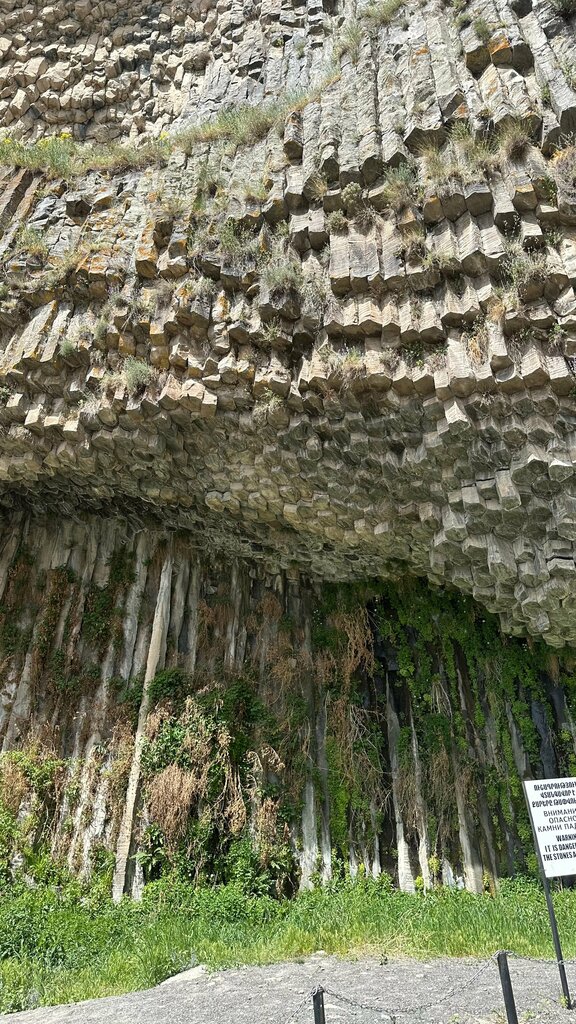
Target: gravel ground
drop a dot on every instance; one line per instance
(277, 995)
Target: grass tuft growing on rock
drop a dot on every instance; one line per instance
(59, 156)
(137, 374)
(30, 242)
(242, 125)
(523, 268)
(133, 374)
(282, 275)
(400, 186)
(337, 223)
(67, 347)
(382, 12)
(465, 157)
(349, 41)
(514, 139)
(482, 30)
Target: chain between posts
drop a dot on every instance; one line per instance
(360, 1006)
(392, 1012)
(539, 959)
(298, 1009)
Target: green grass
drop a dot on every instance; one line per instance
(349, 41)
(282, 274)
(337, 222)
(135, 374)
(67, 347)
(31, 242)
(77, 945)
(382, 12)
(482, 30)
(59, 156)
(514, 139)
(400, 186)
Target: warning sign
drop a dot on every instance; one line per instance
(552, 805)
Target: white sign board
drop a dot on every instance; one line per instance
(552, 805)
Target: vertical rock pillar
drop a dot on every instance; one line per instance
(155, 660)
(405, 875)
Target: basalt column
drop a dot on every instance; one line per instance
(287, 435)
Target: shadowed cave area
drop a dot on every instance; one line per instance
(165, 709)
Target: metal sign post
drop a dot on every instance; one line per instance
(552, 809)
(556, 940)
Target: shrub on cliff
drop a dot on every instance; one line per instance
(382, 12)
(134, 374)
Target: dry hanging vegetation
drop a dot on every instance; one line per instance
(354, 729)
(121, 754)
(33, 774)
(428, 773)
(215, 743)
(282, 661)
(345, 653)
(359, 653)
(189, 766)
(32, 787)
(273, 649)
(14, 785)
(264, 810)
(213, 622)
(354, 651)
(170, 797)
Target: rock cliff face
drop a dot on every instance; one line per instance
(287, 303)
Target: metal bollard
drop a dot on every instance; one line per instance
(509, 1004)
(318, 1004)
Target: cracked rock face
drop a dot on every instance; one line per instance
(338, 341)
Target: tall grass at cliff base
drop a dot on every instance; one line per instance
(71, 944)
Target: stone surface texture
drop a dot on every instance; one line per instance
(256, 995)
(334, 344)
(344, 397)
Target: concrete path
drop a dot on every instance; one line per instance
(277, 995)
